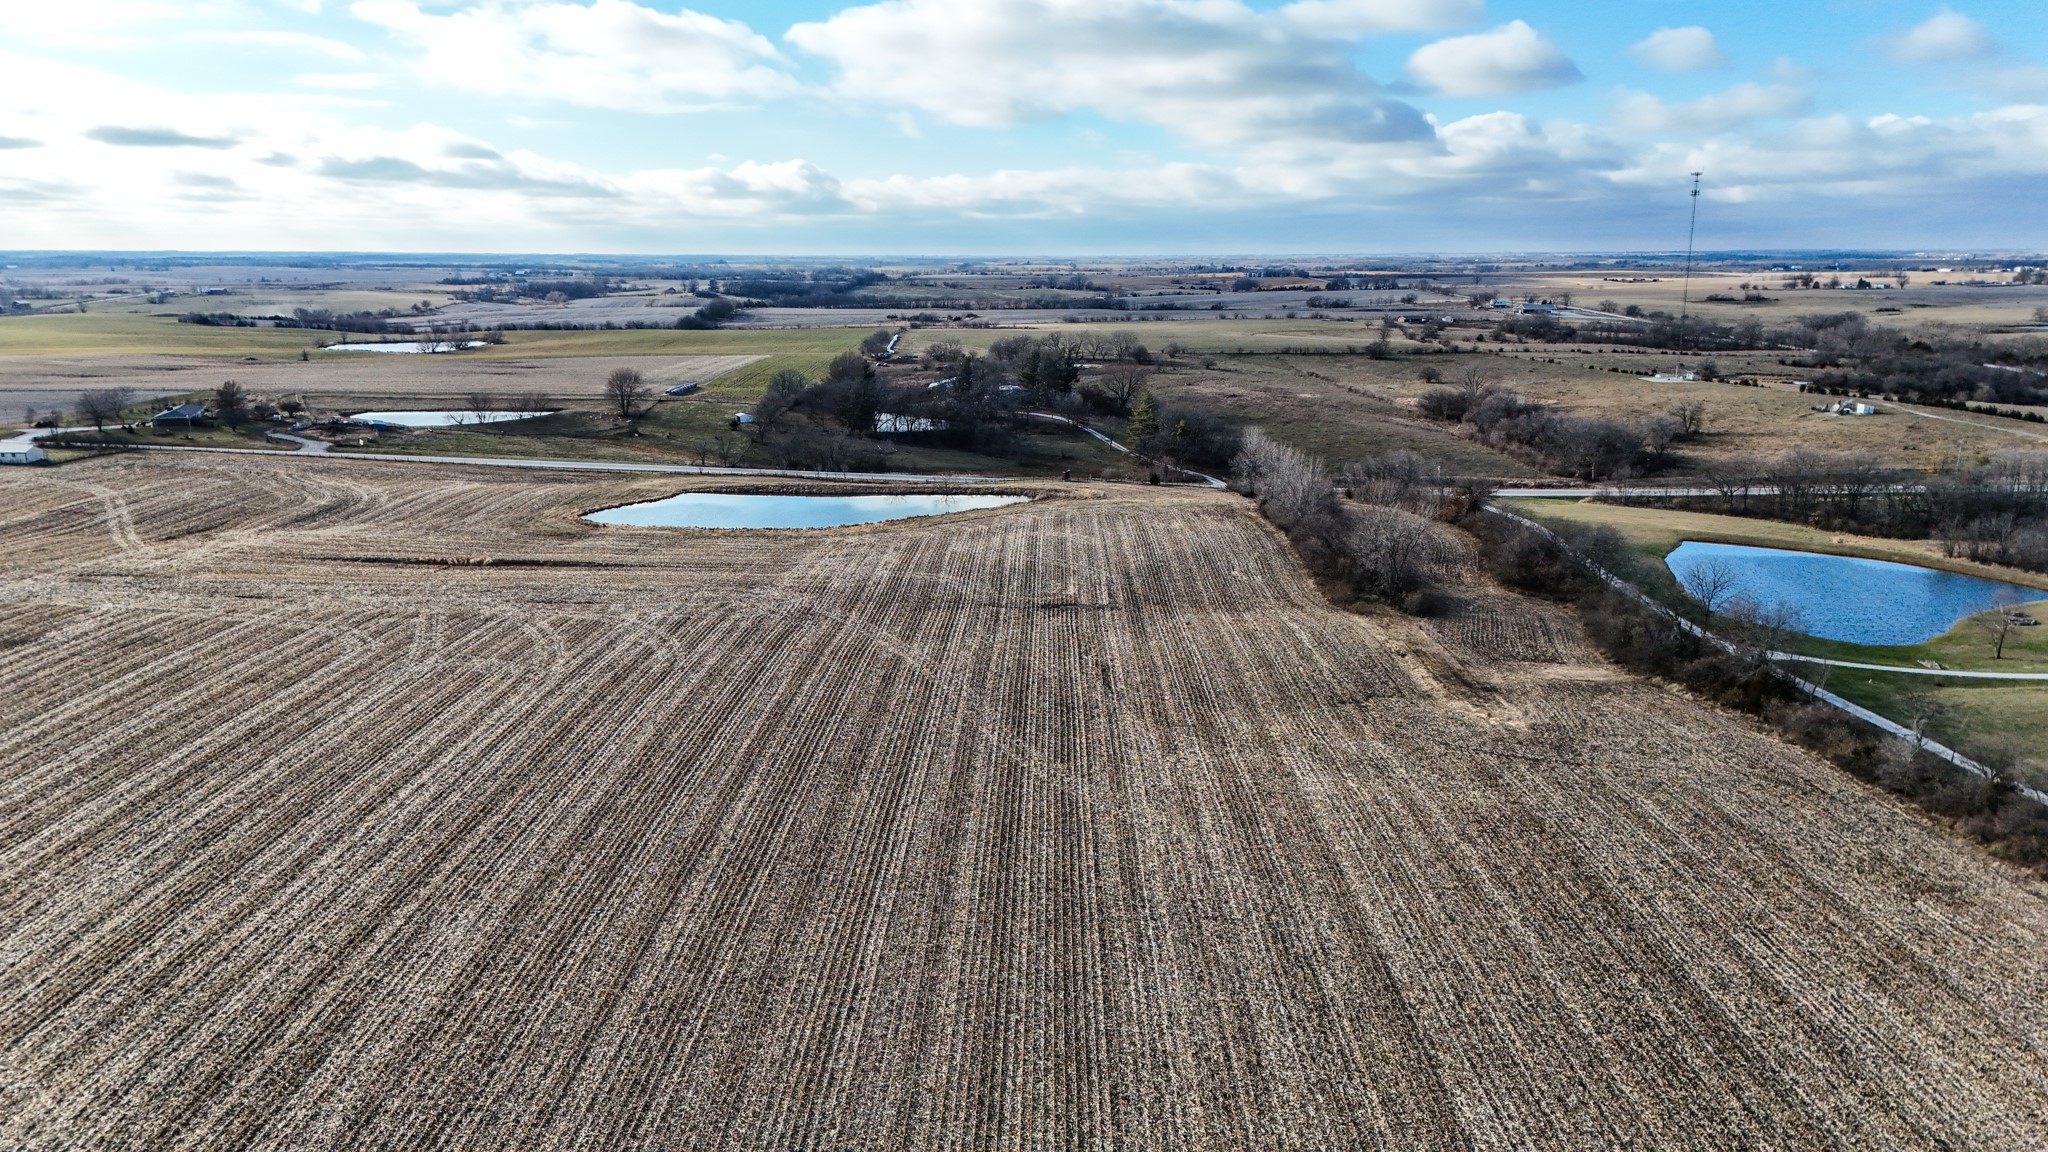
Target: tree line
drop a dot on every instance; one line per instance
(1588, 447)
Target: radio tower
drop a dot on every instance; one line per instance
(1685, 296)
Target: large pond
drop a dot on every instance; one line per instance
(1850, 599)
(729, 510)
(404, 347)
(440, 419)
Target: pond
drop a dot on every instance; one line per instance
(732, 510)
(440, 419)
(403, 347)
(1850, 599)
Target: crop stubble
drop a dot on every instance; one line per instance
(1085, 823)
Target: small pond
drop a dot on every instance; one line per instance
(402, 347)
(1850, 599)
(731, 510)
(440, 419)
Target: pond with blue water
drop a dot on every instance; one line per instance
(1850, 599)
(734, 510)
(440, 418)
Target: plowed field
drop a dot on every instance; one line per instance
(1085, 823)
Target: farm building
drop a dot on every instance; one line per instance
(182, 416)
(20, 451)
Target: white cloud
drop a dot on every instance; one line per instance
(1688, 49)
(1716, 112)
(341, 80)
(1841, 158)
(287, 41)
(1351, 18)
(1500, 62)
(596, 54)
(1214, 72)
(2022, 82)
(1295, 131)
(104, 25)
(1946, 35)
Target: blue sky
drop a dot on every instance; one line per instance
(1068, 127)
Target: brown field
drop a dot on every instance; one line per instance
(2000, 304)
(1345, 407)
(347, 380)
(1082, 824)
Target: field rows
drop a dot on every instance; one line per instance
(1085, 823)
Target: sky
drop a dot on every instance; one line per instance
(1022, 127)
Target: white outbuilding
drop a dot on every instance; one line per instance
(21, 451)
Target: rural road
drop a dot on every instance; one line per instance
(1997, 424)
(307, 447)
(1913, 671)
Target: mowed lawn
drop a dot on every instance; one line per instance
(1998, 723)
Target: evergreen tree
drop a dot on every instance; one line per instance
(1144, 419)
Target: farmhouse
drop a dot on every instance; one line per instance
(182, 416)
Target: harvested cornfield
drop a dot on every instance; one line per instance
(346, 805)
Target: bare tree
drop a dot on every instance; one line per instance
(1404, 480)
(532, 402)
(1758, 630)
(480, 404)
(1659, 433)
(103, 406)
(625, 390)
(1389, 549)
(1691, 416)
(1475, 381)
(1997, 624)
(1921, 707)
(1123, 381)
(1711, 582)
(1290, 484)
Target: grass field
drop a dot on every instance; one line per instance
(349, 805)
(1995, 724)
